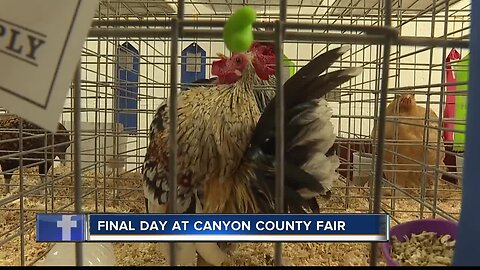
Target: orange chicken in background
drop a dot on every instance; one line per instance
(407, 156)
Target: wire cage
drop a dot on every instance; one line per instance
(131, 63)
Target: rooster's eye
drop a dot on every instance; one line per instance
(238, 60)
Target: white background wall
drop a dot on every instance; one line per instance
(358, 95)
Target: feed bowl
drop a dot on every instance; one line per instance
(439, 226)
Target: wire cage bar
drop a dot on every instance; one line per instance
(280, 123)
(381, 125)
(77, 159)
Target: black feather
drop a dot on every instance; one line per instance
(269, 145)
(293, 112)
(308, 81)
(301, 92)
(299, 154)
(294, 202)
(320, 86)
(311, 70)
(200, 82)
(295, 180)
(331, 151)
(263, 194)
(314, 206)
(263, 98)
(299, 179)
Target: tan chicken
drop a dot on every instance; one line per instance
(406, 151)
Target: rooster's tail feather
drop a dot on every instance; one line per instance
(310, 163)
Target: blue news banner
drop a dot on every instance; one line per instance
(210, 227)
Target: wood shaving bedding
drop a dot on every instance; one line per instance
(423, 249)
(247, 254)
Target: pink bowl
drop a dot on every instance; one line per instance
(440, 226)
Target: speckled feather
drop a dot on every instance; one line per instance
(215, 119)
(9, 126)
(226, 149)
(9, 144)
(157, 123)
(216, 126)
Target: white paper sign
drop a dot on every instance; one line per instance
(40, 47)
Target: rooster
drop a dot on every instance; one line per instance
(9, 143)
(157, 122)
(227, 70)
(407, 148)
(226, 144)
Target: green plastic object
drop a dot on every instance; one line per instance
(289, 65)
(238, 30)
(461, 76)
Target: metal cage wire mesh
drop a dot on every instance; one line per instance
(401, 45)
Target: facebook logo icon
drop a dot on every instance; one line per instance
(60, 228)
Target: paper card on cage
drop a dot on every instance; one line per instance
(40, 47)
